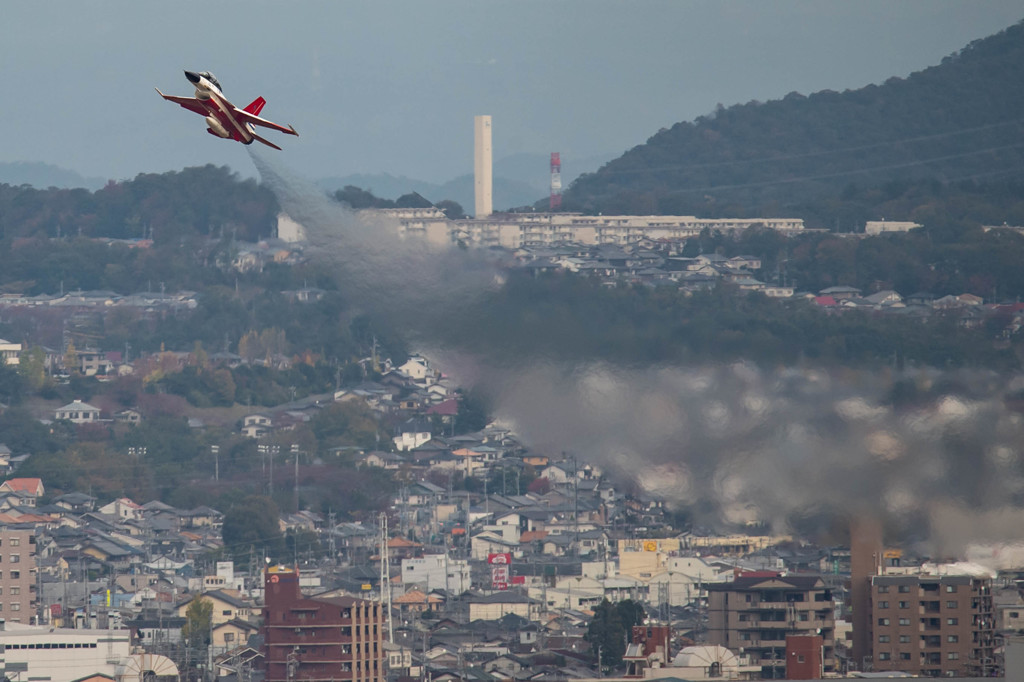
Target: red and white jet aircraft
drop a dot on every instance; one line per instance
(223, 118)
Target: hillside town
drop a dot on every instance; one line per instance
(467, 583)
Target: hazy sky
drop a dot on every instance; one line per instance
(392, 86)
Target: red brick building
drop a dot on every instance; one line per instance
(319, 640)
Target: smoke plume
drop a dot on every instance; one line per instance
(733, 443)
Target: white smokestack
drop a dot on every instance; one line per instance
(482, 160)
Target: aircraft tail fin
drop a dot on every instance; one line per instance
(256, 106)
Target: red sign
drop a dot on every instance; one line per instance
(503, 558)
(499, 577)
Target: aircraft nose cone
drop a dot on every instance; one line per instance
(192, 76)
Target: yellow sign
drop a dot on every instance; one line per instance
(650, 546)
(367, 586)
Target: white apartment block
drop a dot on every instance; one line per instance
(10, 353)
(873, 227)
(515, 230)
(437, 572)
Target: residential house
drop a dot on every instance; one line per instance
(78, 412)
(256, 425)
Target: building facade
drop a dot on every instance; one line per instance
(933, 625)
(17, 575)
(319, 640)
(757, 612)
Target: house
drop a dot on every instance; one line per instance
(226, 606)
(32, 486)
(231, 634)
(494, 606)
(128, 416)
(78, 412)
(412, 434)
(10, 353)
(256, 425)
(123, 509)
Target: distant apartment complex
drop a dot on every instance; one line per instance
(933, 625)
(757, 612)
(515, 230)
(17, 575)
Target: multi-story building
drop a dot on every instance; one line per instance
(17, 575)
(933, 625)
(319, 640)
(757, 611)
(36, 652)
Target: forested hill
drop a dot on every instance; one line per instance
(962, 120)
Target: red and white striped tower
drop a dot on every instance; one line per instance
(556, 181)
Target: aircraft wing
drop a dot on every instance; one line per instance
(244, 115)
(190, 103)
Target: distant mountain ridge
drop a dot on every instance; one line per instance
(956, 121)
(44, 175)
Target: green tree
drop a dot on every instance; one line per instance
(253, 522)
(32, 367)
(611, 627)
(198, 620)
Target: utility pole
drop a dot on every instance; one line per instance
(295, 454)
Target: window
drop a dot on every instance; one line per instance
(883, 604)
(16, 606)
(952, 638)
(904, 621)
(804, 616)
(952, 621)
(883, 621)
(15, 590)
(226, 612)
(904, 639)
(882, 589)
(953, 655)
(883, 639)
(950, 588)
(15, 575)
(903, 605)
(15, 542)
(15, 558)
(883, 656)
(951, 605)
(229, 637)
(904, 589)
(904, 656)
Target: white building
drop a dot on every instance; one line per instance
(78, 412)
(873, 227)
(62, 654)
(436, 572)
(10, 353)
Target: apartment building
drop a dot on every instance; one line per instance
(933, 625)
(756, 612)
(335, 639)
(17, 575)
